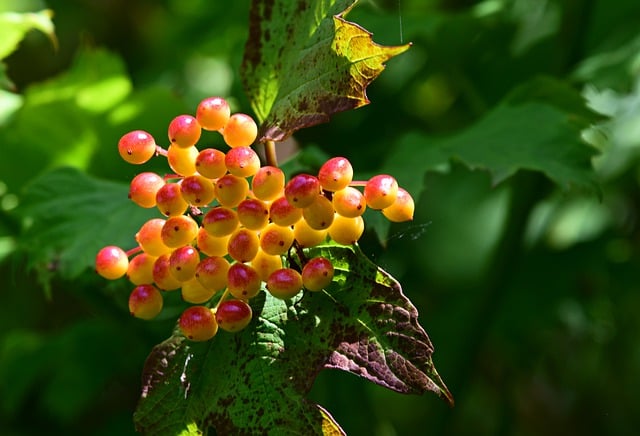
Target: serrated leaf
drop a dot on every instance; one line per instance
(256, 381)
(304, 62)
(73, 215)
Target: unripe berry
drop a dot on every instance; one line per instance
(211, 245)
(243, 281)
(140, 269)
(179, 230)
(282, 213)
(210, 163)
(268, 183)
(137, 147)
(306, 236)
(253, 214)
(265, 264)
(284, 283)
(317, 274)
(319, 214)
(184, 131)
(402, 209)
(275, 239)
(335, 174)
(213, 113)
(233, 315)
(349, 202)
(145, 302)
(243, 245)
(112, 262)
(380, 191)
(302, 190)
(143, 189)
(212, 271)
(170, 201)
(198, 323)
(231, 190)
(149, 237)
(220, 221)
(197, 190)
(162, 276)
(182, 160)
(194, 292)
(346, 231)
(240, 131)
(242, 161)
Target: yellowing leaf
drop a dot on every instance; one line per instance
(304, 62)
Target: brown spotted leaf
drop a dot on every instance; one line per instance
(256, 381)
(304, 62)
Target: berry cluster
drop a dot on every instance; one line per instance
(229, 225)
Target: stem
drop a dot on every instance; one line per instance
(270, 153)
(222, 298)
(161, 151)
(358, 183)
(133, 251)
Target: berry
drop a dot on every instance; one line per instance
(284, 283)
(197, 190)
(275, 239)
(184, 131)
(194, 292)
(282, 213)
(210, 163)
(243, 281)
(253, 214)
(183, 262)
(319, 214)
(380, 191)
(179, 230)
(211, 245)
(220, 221)
(149, 237)
(346, 231)
(170, 201)
(242, 161)
(267, 184)
(265, 264)
(162, 276)
(137, 147)
(213, 113)
(402, 208)
(182, 160)
(349, 202)
(306, 236)
(335, 174)
(317, 274)
(143, 189)
(240, 131)
(145, 302)
(198, 323)
(302, 190)
(243, 245)
(231, 190)
(233, 315)
(212, 271)
(112, 262)
(140, 269)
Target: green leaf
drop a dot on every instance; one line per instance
(304, 62)
(256, 381)
(71, 216)
(14, 26)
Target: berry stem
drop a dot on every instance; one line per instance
(222, 298)
(358, 183)
(161, 151)
(134, 250)
(270, 153)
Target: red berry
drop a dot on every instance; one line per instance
(145, 302)
(213, 113)
(233, 315)
(302, 190)
(317, 274)
(184, 131)
(112, 262)
(380, 191)
(335, 174)
(284, 283)
(143, 189)
(243, 281)
(137, 147)
(198, 323)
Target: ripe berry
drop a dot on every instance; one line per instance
(380, 191)
(197, 190)
(220, 221)
(137, 147)
(212, 271)
(233, 315)
(284, 283)
(402, 209)
(243, 281)
(317, 273)
(198, 323)
(282, 213)
(242, 161)
(210, 163)
(302, 190)
(213, 113)
(335, 174)
(170, 201)
(240, 131)
(183, 262)
(253, 214)
(143, 189)
(162, 276)
(112, 262)
(243, 245)
(184, 131)
(145, 302)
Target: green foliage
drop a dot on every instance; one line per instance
(526, 280)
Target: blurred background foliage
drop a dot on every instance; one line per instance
(528, 288)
